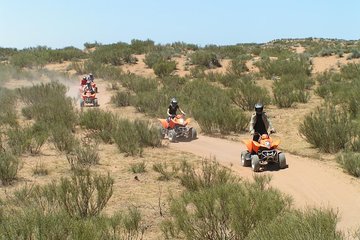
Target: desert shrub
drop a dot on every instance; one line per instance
(350, 161)
(121, 99)
(292, 66)
(166, 172)
(246, 94)
(297, 224)
(139, 84)
(328, 129)
(39, 135)
(154, 57)
(205, 58)
(9, 166)
(228, 80)
(210, 174)
(350, 71)
(132, 137)
(83, 156)
(19, 139)
(164, 68)
(138, 167)
(290, 89)
(85, 195)
(49, 104)
(126, 138)
(89, 45)
(148, 134)
(354, 54)
(212, 108)
(41, 55)
(142, 46)
(222, 211)
(238, 66)
(63, 139)
(8, 112)
(198, 72)
(114, 54)
(6, 53)
(173, 83)
(153, 103)
(40, 169)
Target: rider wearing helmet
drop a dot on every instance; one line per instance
(260, 122)
(83, 81)
(172, 109)
(90, 77)
(88, 87)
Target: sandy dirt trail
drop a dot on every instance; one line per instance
(309, 181)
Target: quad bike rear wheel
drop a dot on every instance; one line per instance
(96, 103)
(243, 160)
(193, 133)
(282, 160)
(255, 163)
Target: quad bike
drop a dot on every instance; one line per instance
(88, 98)
(177, 127)
(261, 153)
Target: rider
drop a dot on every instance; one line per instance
(260, 122)
(88, 87)
(83, 81)
(90, 77)
(172, 109)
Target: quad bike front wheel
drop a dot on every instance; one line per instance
(255, 163)
(172, 135)
(243, 160)
(193, 133)
(282, 161)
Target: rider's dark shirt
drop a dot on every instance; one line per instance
(259, 125)
(172, 110)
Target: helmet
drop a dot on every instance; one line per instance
(90, 74)
(173, 102)
(259, 108)
(84, 78)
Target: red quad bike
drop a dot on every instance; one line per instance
(88, 99)
(263, 152)
(176, 128)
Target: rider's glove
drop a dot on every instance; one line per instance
(252, 132)
(272, 131)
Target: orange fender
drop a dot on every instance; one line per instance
(164, 123)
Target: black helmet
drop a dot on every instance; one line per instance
(259, 108)
(173, 102)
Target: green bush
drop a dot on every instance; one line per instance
(85, 195)
(9, 166)
(8, 112)
(132, 137)
(100, 122)
(140, 46)
(246, 94)
(350, 161)
(154, 57)
(211, 174)
(63, 139)
(138, 167)
(238, 66)
(121, 99)
(114, 54)
(223, 211)
(212, 108)
(205, 58)
(164, 68)
(154, 103)
(328, 129)
(139, 84)
(83, 156)
(296, 224)
(19, 139)
(166, 174)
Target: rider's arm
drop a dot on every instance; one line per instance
(168, 113)
(271, 128)
(181, 111)
(252, 123)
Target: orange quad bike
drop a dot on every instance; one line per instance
(263, 152)
(89, 98)
(177, 128)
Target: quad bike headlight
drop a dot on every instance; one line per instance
(181, 121)
(267, 144)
